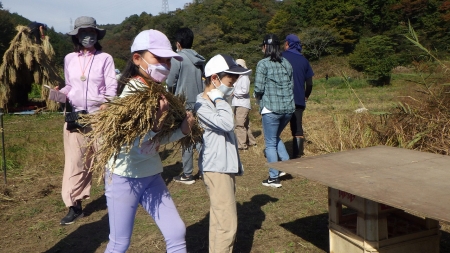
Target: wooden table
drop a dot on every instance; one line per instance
(379, 184)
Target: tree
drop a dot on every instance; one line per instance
(317, 41)
(279, 24)
(375, 57)
(7, 31)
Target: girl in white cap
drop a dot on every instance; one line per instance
(136, 178)
(89, 81)
(219, 160)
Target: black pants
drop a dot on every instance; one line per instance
(296, 121)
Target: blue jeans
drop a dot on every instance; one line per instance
(187, 158)
(273, 125)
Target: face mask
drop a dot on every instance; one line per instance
(157, 72)
(227, 91)
(87, 39)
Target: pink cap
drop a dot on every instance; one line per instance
(156, 42)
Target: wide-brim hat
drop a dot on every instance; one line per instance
(87, 22)
(224, 63)
(156, 43)
(241, 62)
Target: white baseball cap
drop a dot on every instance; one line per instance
(224, 63)
(155, 42)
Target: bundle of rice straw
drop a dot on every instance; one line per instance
(25, 63)
(132, 117)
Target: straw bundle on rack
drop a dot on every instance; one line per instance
(25, 63)
(131, 117)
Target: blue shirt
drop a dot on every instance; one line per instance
(302, 71)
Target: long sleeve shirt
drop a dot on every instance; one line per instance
(219, 152)
(100, 79)
(240, 93)
(274, 84)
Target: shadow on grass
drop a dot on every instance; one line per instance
(313, 229)
(94, 206)
(256, 133)
(171, 171)
(88, 237)
(250, 219)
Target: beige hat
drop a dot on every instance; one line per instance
(241, 62)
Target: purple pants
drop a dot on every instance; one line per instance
(123, 196)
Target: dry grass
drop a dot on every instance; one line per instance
(132, 117)
(25, 63)
(421, 121)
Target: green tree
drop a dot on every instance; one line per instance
(279, 24)
(317, 41)
(120, 63)
(375, 57)
(7, 32)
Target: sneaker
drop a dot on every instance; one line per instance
(184, 179)
(272, 182)
(74, 214)
(281, 173)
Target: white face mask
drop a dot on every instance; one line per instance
(157, 72)
(87, 39)
(227, 91)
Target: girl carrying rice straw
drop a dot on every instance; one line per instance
(134, 176)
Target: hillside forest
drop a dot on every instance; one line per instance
(367, 31)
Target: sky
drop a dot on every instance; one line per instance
(59, 13)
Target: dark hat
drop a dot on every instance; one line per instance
(224, 63)
(292, 38)
(270, 39)
(86, 22)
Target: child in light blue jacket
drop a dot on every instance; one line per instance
(219, 158)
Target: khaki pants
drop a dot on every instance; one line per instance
(243, 133)
(76, 183)
(223, 214)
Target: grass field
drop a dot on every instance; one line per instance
(293, 218)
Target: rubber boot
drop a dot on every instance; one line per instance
(297, 147)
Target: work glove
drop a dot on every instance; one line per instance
(215, 94)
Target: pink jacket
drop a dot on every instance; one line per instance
(100, 83)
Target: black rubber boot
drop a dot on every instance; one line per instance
(297, 147)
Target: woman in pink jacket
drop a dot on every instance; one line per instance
(89, 80)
